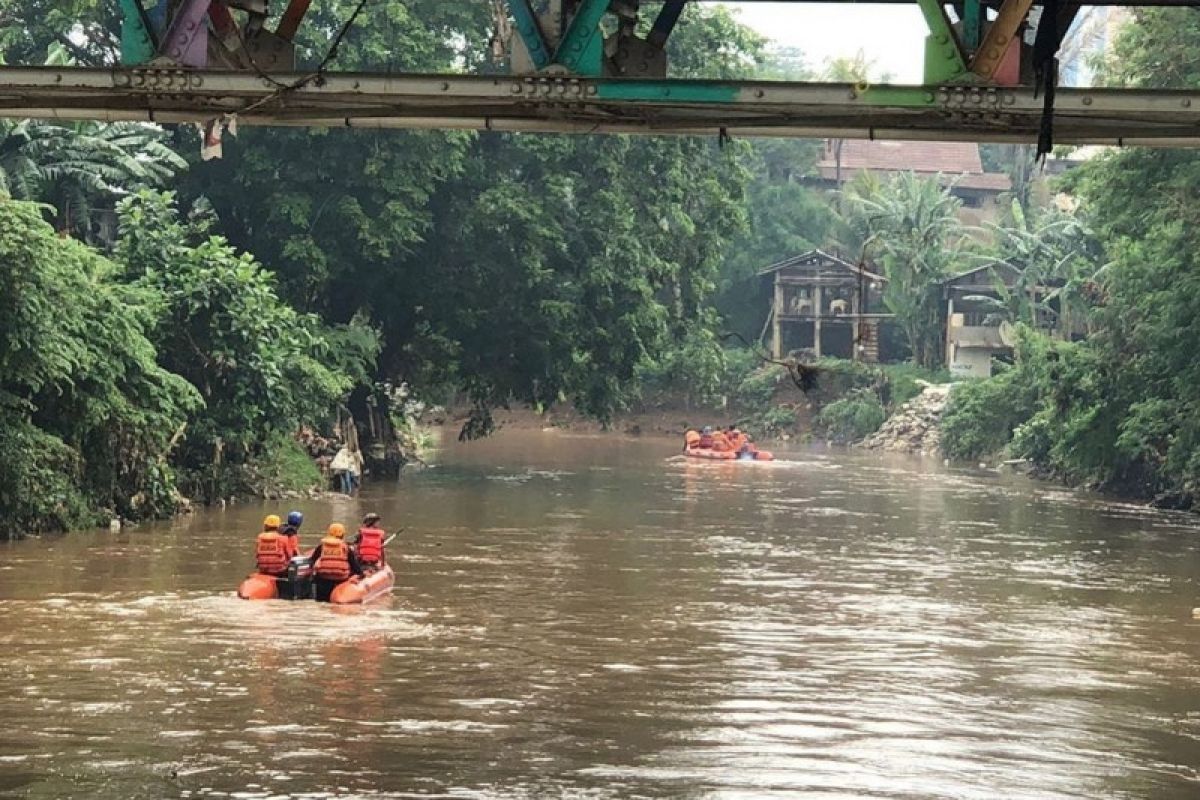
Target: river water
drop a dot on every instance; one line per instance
(586, 617)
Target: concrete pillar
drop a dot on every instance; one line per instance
(856, 321)
(949, 321)
(776, 324)
(818, 309)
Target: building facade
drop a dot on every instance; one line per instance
(823, 304)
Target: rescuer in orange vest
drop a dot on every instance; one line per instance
(691, 439)
(291, 532)
(271, 553)
(333, 562)
(370, 543)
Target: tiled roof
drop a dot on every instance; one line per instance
(958, 162)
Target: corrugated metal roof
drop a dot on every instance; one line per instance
(820, 255)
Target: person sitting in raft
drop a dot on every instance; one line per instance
(737, 439)
(271, 550)
(333, 562)
(706, 437)
(369, 543)
(291, 532)
(691, 439)
(721, 442)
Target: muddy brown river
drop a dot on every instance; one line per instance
(583, 617)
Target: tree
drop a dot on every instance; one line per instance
(261, 368)
(88, 418)
(82, 168)
(913, 232)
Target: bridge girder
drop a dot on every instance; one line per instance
(582, 105)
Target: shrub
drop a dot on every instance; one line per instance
(851, 418)
(757, 389)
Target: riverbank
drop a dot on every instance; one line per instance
(843, 402)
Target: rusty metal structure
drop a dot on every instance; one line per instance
(596, 66)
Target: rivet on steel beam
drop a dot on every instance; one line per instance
(445, 86)
(516, 88)
(929, 97)
(1087, 101)
(760, 94)
(1186, 103)
(591, 90)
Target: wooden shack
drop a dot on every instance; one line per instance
(825, 304)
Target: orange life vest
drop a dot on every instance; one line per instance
(706, 440)
(334, 563)
(720, 442)
(270, 554)
(691, 439)
(370, 545)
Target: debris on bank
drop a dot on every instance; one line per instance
(916, 425)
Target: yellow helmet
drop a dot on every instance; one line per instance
(337, 530)
(271, 522)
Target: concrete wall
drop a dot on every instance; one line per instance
(971, 362)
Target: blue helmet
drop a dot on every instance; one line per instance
(295, 518)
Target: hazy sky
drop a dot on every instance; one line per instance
(892, 37)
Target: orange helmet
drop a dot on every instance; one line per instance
(271, 522)
(337, 530)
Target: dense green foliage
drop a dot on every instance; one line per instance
(88, 414)
(307, 265)
(261, 367)
(1120, 409)
(850, 418)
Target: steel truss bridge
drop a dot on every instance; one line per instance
(582, 66)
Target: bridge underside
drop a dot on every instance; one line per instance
(583, 105)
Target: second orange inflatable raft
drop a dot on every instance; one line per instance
(727, 455)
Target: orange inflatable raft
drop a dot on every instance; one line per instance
(727, 455)
(297, 585)
(364, 590)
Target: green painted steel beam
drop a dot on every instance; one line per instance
(582, 46)
(972, 30)
(530, 33)
(138, 44)
(674, 91)
(944, 59)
